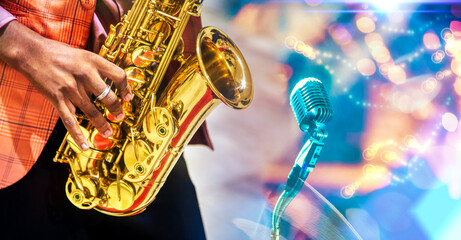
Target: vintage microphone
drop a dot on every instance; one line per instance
(312, 110)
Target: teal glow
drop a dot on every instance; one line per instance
(439, 215)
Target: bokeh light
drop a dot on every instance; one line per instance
(351, 49)
(347, 191)
(447, 34)
(381, 54)
(309, 52)
(428, 85)
(365, 24)
(456, 66)
(449, 122)
(411, 142)
(457, 86)
(299, 47)
(369, 170)
(290, 42)
(366, 67)
(397, 75)
(340, 34)
(458, 54)
(452, 47)
(388, 156)
(455, 27)
(431, 41)
(447, 73)
(374, 40)
(424, 112)
(384, 69)
(438, 56)
(369, 153)
(439, 75)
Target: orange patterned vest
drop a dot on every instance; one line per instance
(26, 117)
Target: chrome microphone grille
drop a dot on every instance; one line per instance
(309, 102)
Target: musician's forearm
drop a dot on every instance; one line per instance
(65, 76)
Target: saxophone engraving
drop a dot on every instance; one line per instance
(121, 175)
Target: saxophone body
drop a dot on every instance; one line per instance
(121, 175)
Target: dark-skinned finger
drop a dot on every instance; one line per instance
(72, 126)
(71, 107)
(117, 75)
(114, 106)
(93, 114)
(98, 86)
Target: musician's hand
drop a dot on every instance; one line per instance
(66, 76)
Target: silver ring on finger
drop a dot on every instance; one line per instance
(104, 93)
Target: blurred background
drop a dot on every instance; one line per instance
(392, 162)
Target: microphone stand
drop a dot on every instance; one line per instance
(304, 164)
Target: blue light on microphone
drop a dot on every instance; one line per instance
(312, 109)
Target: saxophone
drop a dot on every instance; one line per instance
(121, 175)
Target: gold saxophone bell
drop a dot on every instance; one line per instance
(121, 176)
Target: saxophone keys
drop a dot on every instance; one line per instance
(158, 32)
(120, 195)
(143, 56)
(159, 125)
(179, 52)
(136, 77)
(135, 157)
(102, 143)
(195, 8)
(84, 198)
(143, 156)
